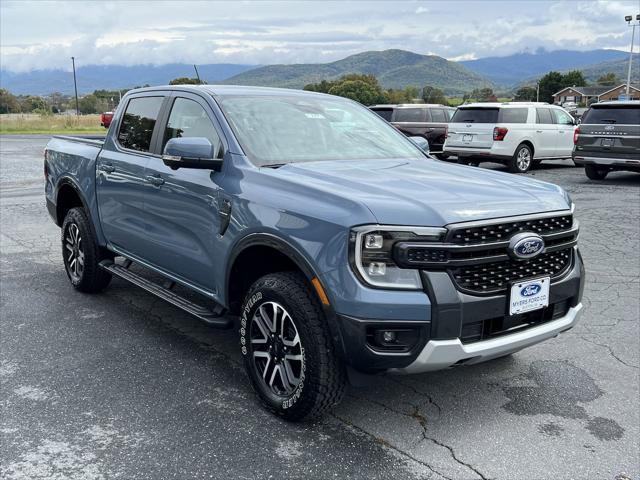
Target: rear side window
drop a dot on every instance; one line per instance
(138, 122)
(437, 115)
(562, 118)
(627, 115)
(410, 115)
(385, 113)
(543, 115)
(475, 115)
(189, 119)
(514, 115)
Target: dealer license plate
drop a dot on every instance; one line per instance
(467, 138)
(528, 296)
(607, 142)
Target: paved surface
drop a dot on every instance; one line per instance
(121, 385)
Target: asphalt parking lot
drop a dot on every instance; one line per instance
(123, 385)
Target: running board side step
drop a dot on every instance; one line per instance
(214, 317)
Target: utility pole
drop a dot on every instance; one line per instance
(628, 18)
(538, 91)
(197, 74)
(75, 84)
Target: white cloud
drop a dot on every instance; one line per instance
(44, 34)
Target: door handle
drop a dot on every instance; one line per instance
(155, 180)
(107, 168)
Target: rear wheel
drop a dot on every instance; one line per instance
(82, 254)
(521, 160)
(595, 173)
(287, 349)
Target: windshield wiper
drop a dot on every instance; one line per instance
(273, 165)
(609, 120)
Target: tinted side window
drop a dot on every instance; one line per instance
(410, 115)
(437, 115)
(562, 118)
(514, 115)
(138, 121)
(384, 113)
(543, 115)
(189, 119)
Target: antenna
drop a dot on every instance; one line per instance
(197, 74)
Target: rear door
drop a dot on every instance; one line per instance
(120, 183)
(546, 133)
(181, 206)
(565, 125)
(610, 131)
(437, 129)
(472, 127)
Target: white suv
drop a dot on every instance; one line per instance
(519, 134)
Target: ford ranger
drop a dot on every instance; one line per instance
(333, 244)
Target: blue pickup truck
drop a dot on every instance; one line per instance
(332, 243)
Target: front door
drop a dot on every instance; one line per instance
(120, 182)
(566, 126)
(182, 217)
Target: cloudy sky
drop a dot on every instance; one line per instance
(42, 34)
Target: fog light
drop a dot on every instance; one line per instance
(377, 269)
(373, 241)
(389, 337)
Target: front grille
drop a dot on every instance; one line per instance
(495, 276)
(499, 232)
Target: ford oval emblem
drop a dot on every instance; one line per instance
(526, 245)
(531, 290)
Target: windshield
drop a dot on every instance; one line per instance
(279, 129)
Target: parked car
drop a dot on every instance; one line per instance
(425, 120)
(326, 237)
(518, 134)
(106, 118)
(608, 138)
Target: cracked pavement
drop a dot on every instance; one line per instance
(123, 385)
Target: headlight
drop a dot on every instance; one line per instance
(372, 258)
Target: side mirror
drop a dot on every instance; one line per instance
(191, 152)
(421, 142)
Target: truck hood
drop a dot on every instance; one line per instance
(428, 192)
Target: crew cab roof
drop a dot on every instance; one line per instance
(223, 90)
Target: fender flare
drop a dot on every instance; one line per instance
(68, 181)
(283, 246)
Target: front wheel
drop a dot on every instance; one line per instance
(595, 173)
(521, 160)
(287, 348)
(82, 254)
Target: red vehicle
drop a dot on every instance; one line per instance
(105, 119)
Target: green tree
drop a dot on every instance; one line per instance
(574, 78)
(186, 81)
(433, 95)
(31, 103)
(358, 90)
(92, 104)
(525, 94)
(482, 95)
(322, 87)
(8, 102)
(550, 84)
(608, 80)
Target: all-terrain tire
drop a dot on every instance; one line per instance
(82, 254)
(320, 374)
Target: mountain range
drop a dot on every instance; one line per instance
(393, 68)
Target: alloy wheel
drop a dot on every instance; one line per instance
(276, 349)
(74, 252)
(524, 159)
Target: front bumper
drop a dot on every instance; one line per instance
(444, 335)
(439, 354)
